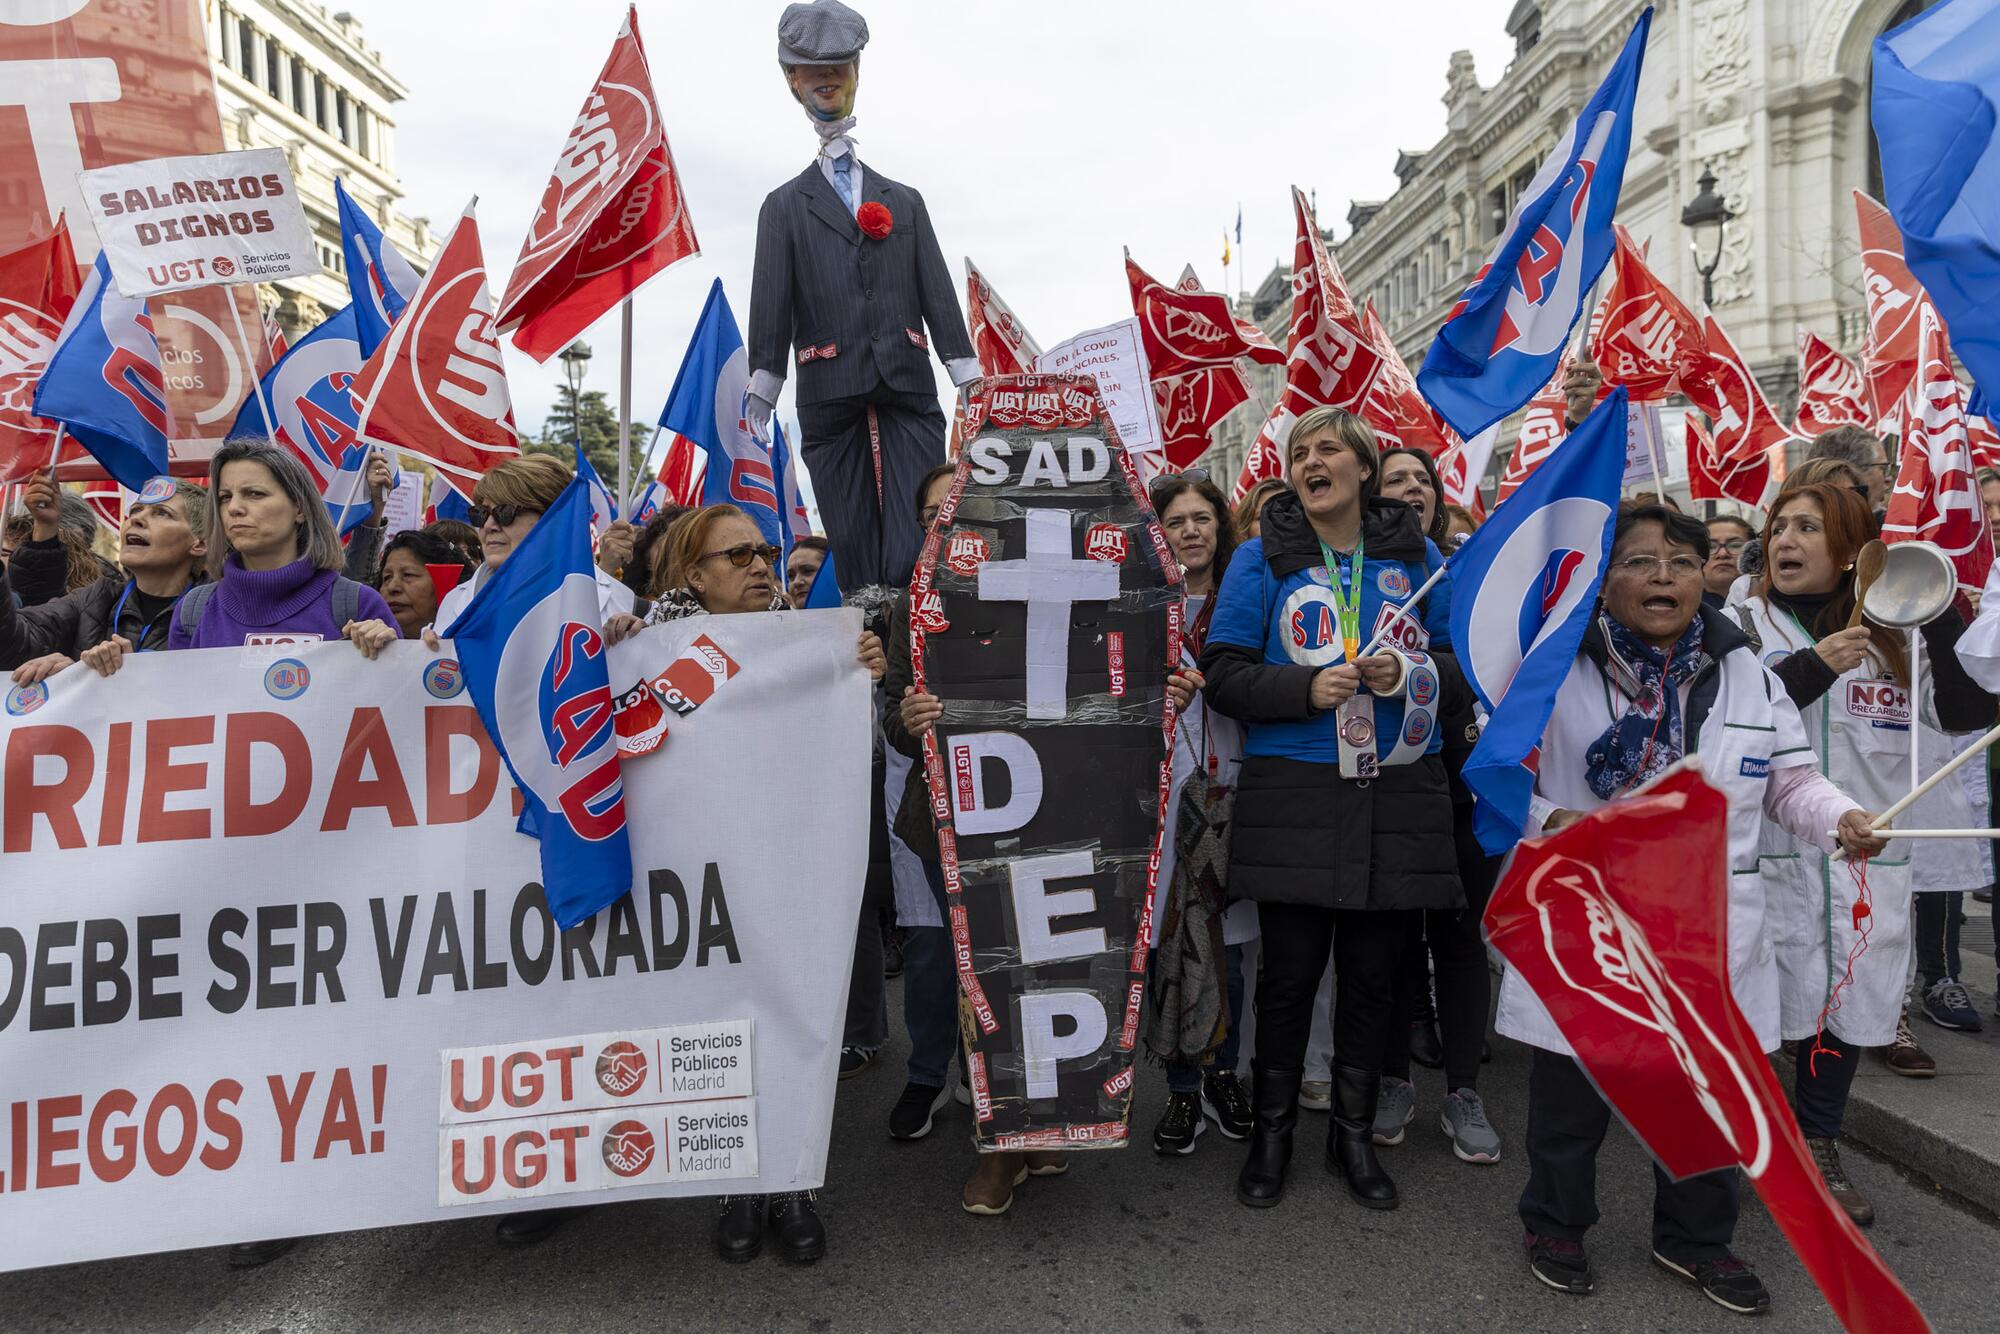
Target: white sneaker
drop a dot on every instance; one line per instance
(1316, 1095)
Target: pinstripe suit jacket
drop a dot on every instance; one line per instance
(845, 313)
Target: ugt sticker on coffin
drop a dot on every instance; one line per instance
(1046, 615)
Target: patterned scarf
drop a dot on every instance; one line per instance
(1649, 737)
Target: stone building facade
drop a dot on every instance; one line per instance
(1770, 95)
(290, 75)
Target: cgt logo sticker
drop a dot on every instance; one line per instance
(621, 1068)
(628, 1148)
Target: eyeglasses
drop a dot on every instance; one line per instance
(743, 553)
(1677, 567)
(1191, 474)
(927, 516)
(1732, 544)
(504, 515)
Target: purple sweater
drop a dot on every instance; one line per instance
(291, 602)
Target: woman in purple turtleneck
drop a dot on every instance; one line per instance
(275, 558)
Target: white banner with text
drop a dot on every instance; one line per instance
(274, 961)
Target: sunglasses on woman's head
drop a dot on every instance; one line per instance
(504, 515)
(743, 553)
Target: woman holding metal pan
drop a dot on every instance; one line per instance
(1843, 932)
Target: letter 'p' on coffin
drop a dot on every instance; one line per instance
(1046, 615)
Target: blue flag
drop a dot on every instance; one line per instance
(104, 384)
(603, 509)
(317, 416)
(532, 645)
(1936, 86)
(706, 406)
(1503, 339)
(825, 590)
(380, 281)
(1526, 584)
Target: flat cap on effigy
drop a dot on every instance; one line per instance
(824, 32)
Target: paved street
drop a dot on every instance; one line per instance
(1126, 1240)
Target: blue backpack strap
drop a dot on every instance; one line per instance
(187, 612)
(346, 602)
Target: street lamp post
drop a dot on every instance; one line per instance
(575, 360)
(1706, 217)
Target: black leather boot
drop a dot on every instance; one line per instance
(739, 1228)
(1274, 1100)
(1350, 1149)
(801, 1234)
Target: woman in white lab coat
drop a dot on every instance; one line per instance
(1658, 679)
(1844, 957)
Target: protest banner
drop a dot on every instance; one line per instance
(1045, 613)
(172, 223)
(1116, 356)
(92, 83)
(274, 961)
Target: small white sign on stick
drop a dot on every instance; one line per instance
(172, 223)
(1115, 355)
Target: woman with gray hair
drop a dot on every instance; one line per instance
(275, 561)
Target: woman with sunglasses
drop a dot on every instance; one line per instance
(1658, 679)
(1853, 688)
(719, 564)
(506, 504)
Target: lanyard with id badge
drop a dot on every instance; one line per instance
(1358, 757)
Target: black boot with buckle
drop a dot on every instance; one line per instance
(1350, 1149)
(795, 1218)
(1274, 1100)
(739, 1228)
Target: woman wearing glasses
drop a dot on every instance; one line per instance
(1658, 679)
(1853, 688)
(506, 504)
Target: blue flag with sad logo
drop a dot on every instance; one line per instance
(532, 646)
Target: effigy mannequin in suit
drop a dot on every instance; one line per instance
(851, 290)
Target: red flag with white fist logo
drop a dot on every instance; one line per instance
(1937, 496)
(437, 387)
(612, 215)
(1619, 926)
(1831, 390)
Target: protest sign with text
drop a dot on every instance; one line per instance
(178, 222)
(1116, 355)
(274, 960)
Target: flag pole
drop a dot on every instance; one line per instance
(242, 341)
(1402, 612)
(625, 398)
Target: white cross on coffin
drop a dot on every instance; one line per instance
(1050, 580)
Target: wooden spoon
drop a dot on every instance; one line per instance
(1868, 563)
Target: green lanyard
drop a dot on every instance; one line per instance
(1346, 600)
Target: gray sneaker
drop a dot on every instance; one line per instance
(1395, 1107)
(1316, 1095)
(1473, 1137)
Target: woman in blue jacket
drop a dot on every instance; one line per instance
(1343, 820)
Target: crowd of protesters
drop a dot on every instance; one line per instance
(1345, 951)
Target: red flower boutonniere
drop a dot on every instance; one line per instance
(875, 220)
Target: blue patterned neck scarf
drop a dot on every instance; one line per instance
(1649, 737)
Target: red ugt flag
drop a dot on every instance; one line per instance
(1937, 497)
(38, 285)
(1831, 390)
(1718, 381)
(1889, 362)
(1187, 331)
(1644, 336)
(612, 214)
(1618, 924)
(436, 387)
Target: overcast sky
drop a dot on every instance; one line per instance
(1043, 136)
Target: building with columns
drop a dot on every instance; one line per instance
(290, 75)
(1769, 95)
